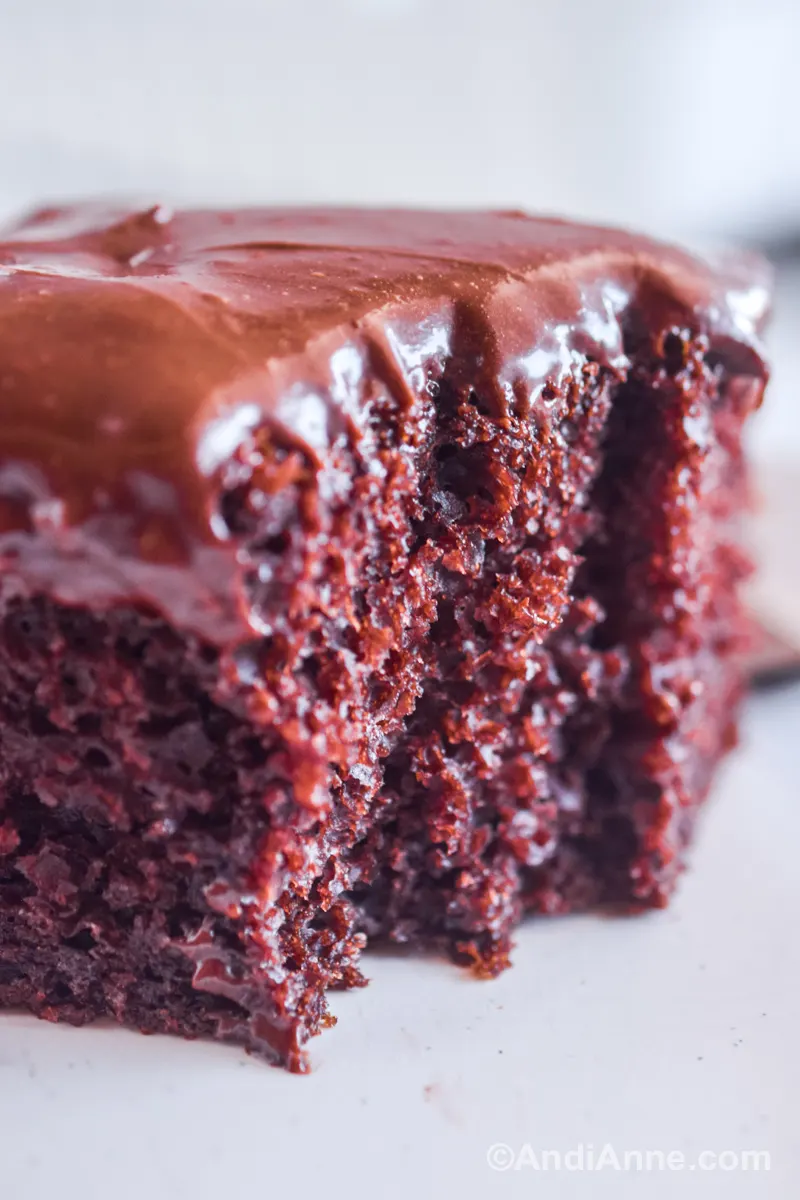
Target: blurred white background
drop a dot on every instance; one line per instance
(678, 116)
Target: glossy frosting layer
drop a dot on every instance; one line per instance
(140, 350)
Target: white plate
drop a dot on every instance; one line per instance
(675, 1032)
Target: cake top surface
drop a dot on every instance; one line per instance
(303, 271)
(139, 321)
(140, 348)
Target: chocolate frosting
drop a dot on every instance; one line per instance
(139, 351)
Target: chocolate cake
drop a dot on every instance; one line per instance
(365, 575)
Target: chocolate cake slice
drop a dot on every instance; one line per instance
(364, 575)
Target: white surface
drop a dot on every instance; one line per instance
(675, 1032)
(672, 116)
(775, 431)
